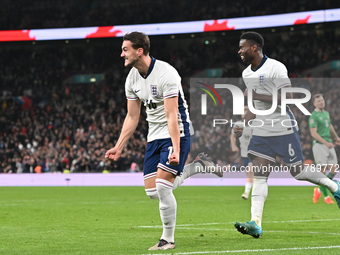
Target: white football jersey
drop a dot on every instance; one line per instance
(245, 138)
(162, 81)
(269, 76)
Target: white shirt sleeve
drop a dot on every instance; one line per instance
(280, 76)
(129, 93)
(171, 83)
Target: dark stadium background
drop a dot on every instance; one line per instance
(49, 122)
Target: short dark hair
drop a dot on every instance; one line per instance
(138, 40)
(316, 96)
(254, 38)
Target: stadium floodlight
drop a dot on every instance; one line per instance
(265, 21)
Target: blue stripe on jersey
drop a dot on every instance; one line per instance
(153, 60)
(184, 116)
(292, 118)
(261, 64)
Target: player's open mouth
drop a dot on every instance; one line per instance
(242, 57)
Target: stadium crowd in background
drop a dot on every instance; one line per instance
(48, 124)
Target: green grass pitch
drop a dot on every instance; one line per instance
(123, 220)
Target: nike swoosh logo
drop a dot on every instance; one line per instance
(136, 91)
(291, 159)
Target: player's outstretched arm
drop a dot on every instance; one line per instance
(171, 111)
(129, 127)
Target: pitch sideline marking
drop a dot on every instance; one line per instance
(258, 250)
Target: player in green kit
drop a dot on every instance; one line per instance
(324, 153)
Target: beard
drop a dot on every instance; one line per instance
(132, 63)
(247, 60)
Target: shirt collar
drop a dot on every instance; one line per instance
(261, 64)
(153, 60)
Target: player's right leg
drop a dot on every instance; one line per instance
(167, 209)
(307, 173)
(159, 186)
(259, 193)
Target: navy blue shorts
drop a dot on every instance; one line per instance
(157, 155)
(287, 147)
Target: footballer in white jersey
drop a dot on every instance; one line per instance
(265, 75)
(271, 75)
(158, 86)
(162, 81)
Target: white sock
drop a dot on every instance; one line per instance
(188, 170)
(258, 197)
(247, 188)
(167, 209)
(312, 175)
(152, 193)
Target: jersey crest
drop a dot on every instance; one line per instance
(261, 77)
(154, 90)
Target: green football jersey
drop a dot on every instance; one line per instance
(322, 121)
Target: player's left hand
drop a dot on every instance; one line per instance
(174, 159)
(113, 154)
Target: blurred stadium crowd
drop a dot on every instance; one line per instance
(49, 123)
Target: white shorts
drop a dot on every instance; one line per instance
(324, 155)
